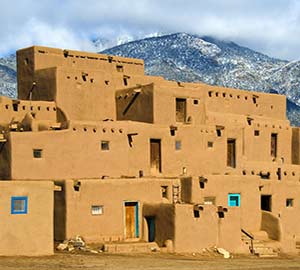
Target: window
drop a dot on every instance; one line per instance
(120, 68)
(180, 110)
(19, 205)
(196, 101)
(289, 202)
(97, 210)
(37, 153)
(15, 106)
(104, 145)
(210, 144)
(164, 191)
(256, 132)
(234, 199)
(210, 200)
(231, 155)
(177, 145)
(274, 145)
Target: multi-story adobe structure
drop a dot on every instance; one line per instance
(133, 158)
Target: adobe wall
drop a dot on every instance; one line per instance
(246, 186)
(14, 111)
(78, 158)
(28, 234)
(135, 104)
(202, 99)
(193, 234)
(31, 59)
(289, 217)
(128, 140)
(112, 194)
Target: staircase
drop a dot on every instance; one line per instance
(259, 244)
(131, 247)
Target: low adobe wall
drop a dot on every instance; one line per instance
(29, 231)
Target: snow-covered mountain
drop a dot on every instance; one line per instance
(8, 76)
(185, 57)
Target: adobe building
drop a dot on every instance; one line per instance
(135, 158)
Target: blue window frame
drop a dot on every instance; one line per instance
(234, 199)
(19, 205)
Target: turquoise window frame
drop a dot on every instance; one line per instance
(19, 198)
(234, 199)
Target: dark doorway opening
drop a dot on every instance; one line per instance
(151, 228)
(266, 203)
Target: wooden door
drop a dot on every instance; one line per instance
(180, 110)
(231, 155)
(155, 156)
(131, 220)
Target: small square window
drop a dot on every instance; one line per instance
(177, 145)
(37, 153)
(210, 200)
(210, 144)
(196, 101)
(19, 205)
(97, 210)
(104, 145)
(289, 202)
(234, 199)
(120, 68)
(256, 132)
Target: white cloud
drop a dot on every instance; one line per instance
(266, 25)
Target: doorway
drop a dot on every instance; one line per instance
(180, 110)
(151, 228)
(266, 203)
(131, 220)
(155, 156)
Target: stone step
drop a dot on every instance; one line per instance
(131, 247)
(273, 255)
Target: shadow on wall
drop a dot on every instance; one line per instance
(271, 225)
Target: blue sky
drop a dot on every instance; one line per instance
(269, 26)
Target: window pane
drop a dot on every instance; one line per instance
(104, 145)
(37, 153)
(19, 205)
(97, 209)
(234, 199)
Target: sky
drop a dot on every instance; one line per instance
(269, 26)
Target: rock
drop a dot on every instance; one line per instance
(62, 246)
(169, 245)
(224, 252)
(93, 251)
(77, 241)
(70, 248)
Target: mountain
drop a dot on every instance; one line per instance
(8, 76)
(185, 57)
(191, 58)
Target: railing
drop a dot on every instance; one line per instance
(250, 236)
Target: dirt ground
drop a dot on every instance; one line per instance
(157, 261)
